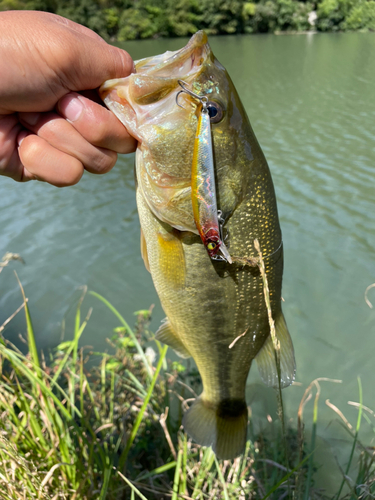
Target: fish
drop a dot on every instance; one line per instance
(215, 308)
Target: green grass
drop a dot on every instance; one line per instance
(87, 425)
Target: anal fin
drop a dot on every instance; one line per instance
(167, 335)
(266, 357)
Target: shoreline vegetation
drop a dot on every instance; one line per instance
(121, 20)
(82, 425)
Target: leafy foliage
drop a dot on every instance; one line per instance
(332, 14)
(276, 15)
(137, 19)
(361, 17)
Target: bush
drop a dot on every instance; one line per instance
(332, 13)
(86, 12)
(183, 17)
(145, 21)
(293, 15)
(221, 16)
(361, 17)
(282, 15)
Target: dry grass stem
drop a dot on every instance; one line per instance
(12, 316)
(163, 422)
(237, 338)
(339, 413)
(366, 408)
(366, 298)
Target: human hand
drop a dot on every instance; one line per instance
(52, 126)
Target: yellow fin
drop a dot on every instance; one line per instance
(266, 357)
(167, 335)
(224, 426)
(144, 252)
(171, 259)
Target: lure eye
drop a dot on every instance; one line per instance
(215, 111)
(211, 246)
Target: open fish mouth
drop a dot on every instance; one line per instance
(172, 65)
(180, 62)
(145, 102)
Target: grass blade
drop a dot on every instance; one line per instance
(134, 489)
(286, 477)
(312, 446)
(30, 331)
(226, 496)
(138, 421)
(129, 330)
(176, 479)
(355, 438)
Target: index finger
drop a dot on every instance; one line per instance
(96, 124)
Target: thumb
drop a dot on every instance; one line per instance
(97, 62)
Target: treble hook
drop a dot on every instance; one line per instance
(202, 99)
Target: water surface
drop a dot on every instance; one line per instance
(311, 101)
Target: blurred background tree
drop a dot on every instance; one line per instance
(118, 20)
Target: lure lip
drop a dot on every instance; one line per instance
(225, 253)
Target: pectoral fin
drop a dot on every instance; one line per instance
(266, 357)
(144, 252)
(167, 335)
(171, 259)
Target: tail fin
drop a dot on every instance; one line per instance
(223, 426)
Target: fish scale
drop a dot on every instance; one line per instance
(215, 310)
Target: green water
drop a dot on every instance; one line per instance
(311, 101)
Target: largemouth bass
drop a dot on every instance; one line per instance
(215, 309)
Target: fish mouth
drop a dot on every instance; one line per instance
(156, 77)
(179, 63)
(145, 102)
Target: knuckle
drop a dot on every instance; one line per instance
(105, 161)
(98, 134)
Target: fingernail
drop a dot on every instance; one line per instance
(30, 118)
(71, 107)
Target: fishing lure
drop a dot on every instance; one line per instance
(203, 193)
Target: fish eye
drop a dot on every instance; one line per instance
(211, 246)
(215, 111)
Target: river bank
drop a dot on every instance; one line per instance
(84, 425)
